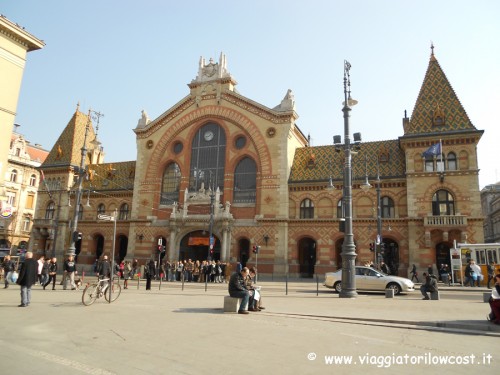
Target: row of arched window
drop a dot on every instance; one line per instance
(123, 213)
(14, 175)
(442, 163)
(307, 208)
(443, 204)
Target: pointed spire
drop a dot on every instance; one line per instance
(437, 95)
(433, 58)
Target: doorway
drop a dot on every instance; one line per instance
(307, 257)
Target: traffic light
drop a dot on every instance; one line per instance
(256, 249)
(372, 246)
(77, 236)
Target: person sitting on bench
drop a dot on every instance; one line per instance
(430, 285)
(237, 289)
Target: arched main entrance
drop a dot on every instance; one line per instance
(196, 246)
(307, 256)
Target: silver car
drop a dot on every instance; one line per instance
(368, 278)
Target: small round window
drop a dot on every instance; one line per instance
(178, 147)
(240, 142)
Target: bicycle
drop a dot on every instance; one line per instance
(100, 288)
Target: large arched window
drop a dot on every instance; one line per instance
(443, 203)
(245, 181)
(170, 184)
(307, 209)
(123, 212)
(49, 211)
(208, 155)
(451, 161)
(387, 207)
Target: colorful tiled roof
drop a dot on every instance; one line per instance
(111, 176)
(312, 164)
(437, 98)
(68, 148)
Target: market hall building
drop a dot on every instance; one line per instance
(218, 162)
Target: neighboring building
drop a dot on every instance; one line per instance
(490, 201)
(267, 185)
(15, 43)
(21, 190)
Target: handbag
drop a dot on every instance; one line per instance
(12, 277)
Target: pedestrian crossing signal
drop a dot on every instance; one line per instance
(372, 246)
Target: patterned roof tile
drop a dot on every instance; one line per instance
(436, 100)
(316, 164)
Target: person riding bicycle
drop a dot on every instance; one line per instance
(104, 269)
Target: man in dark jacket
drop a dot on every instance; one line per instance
(104, 268)
(237, 289)
(69, 272)
(429, 286)
(27, 277)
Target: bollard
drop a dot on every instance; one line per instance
(286, 284)
(182, 279)
(317, 285)
(138, 280)
(161, 278)
(83, 276)
(486, 297)
(206, 281)
(389, 293)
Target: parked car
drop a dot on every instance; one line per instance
(370, 279)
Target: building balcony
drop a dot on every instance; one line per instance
(445, 221)
(43, 223)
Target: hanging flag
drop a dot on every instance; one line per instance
(45, 183)
(434, 150)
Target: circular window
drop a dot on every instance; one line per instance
(240, 142)
(149, 144)
(178, 147)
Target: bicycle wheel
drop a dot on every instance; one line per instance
(90, 294)
(116, 289)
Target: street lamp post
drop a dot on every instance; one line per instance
(366, 186)
(81, 174)
(348, 247)
(211, 241)
(56, 221)
(379, 219)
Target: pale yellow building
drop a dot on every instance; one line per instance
(21, 188)
(15, 43)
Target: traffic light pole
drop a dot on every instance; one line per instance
(81, 174)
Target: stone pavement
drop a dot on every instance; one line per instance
(176, 330)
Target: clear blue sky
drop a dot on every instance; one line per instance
(120, 57)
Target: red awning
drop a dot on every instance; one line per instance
(198, 241)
